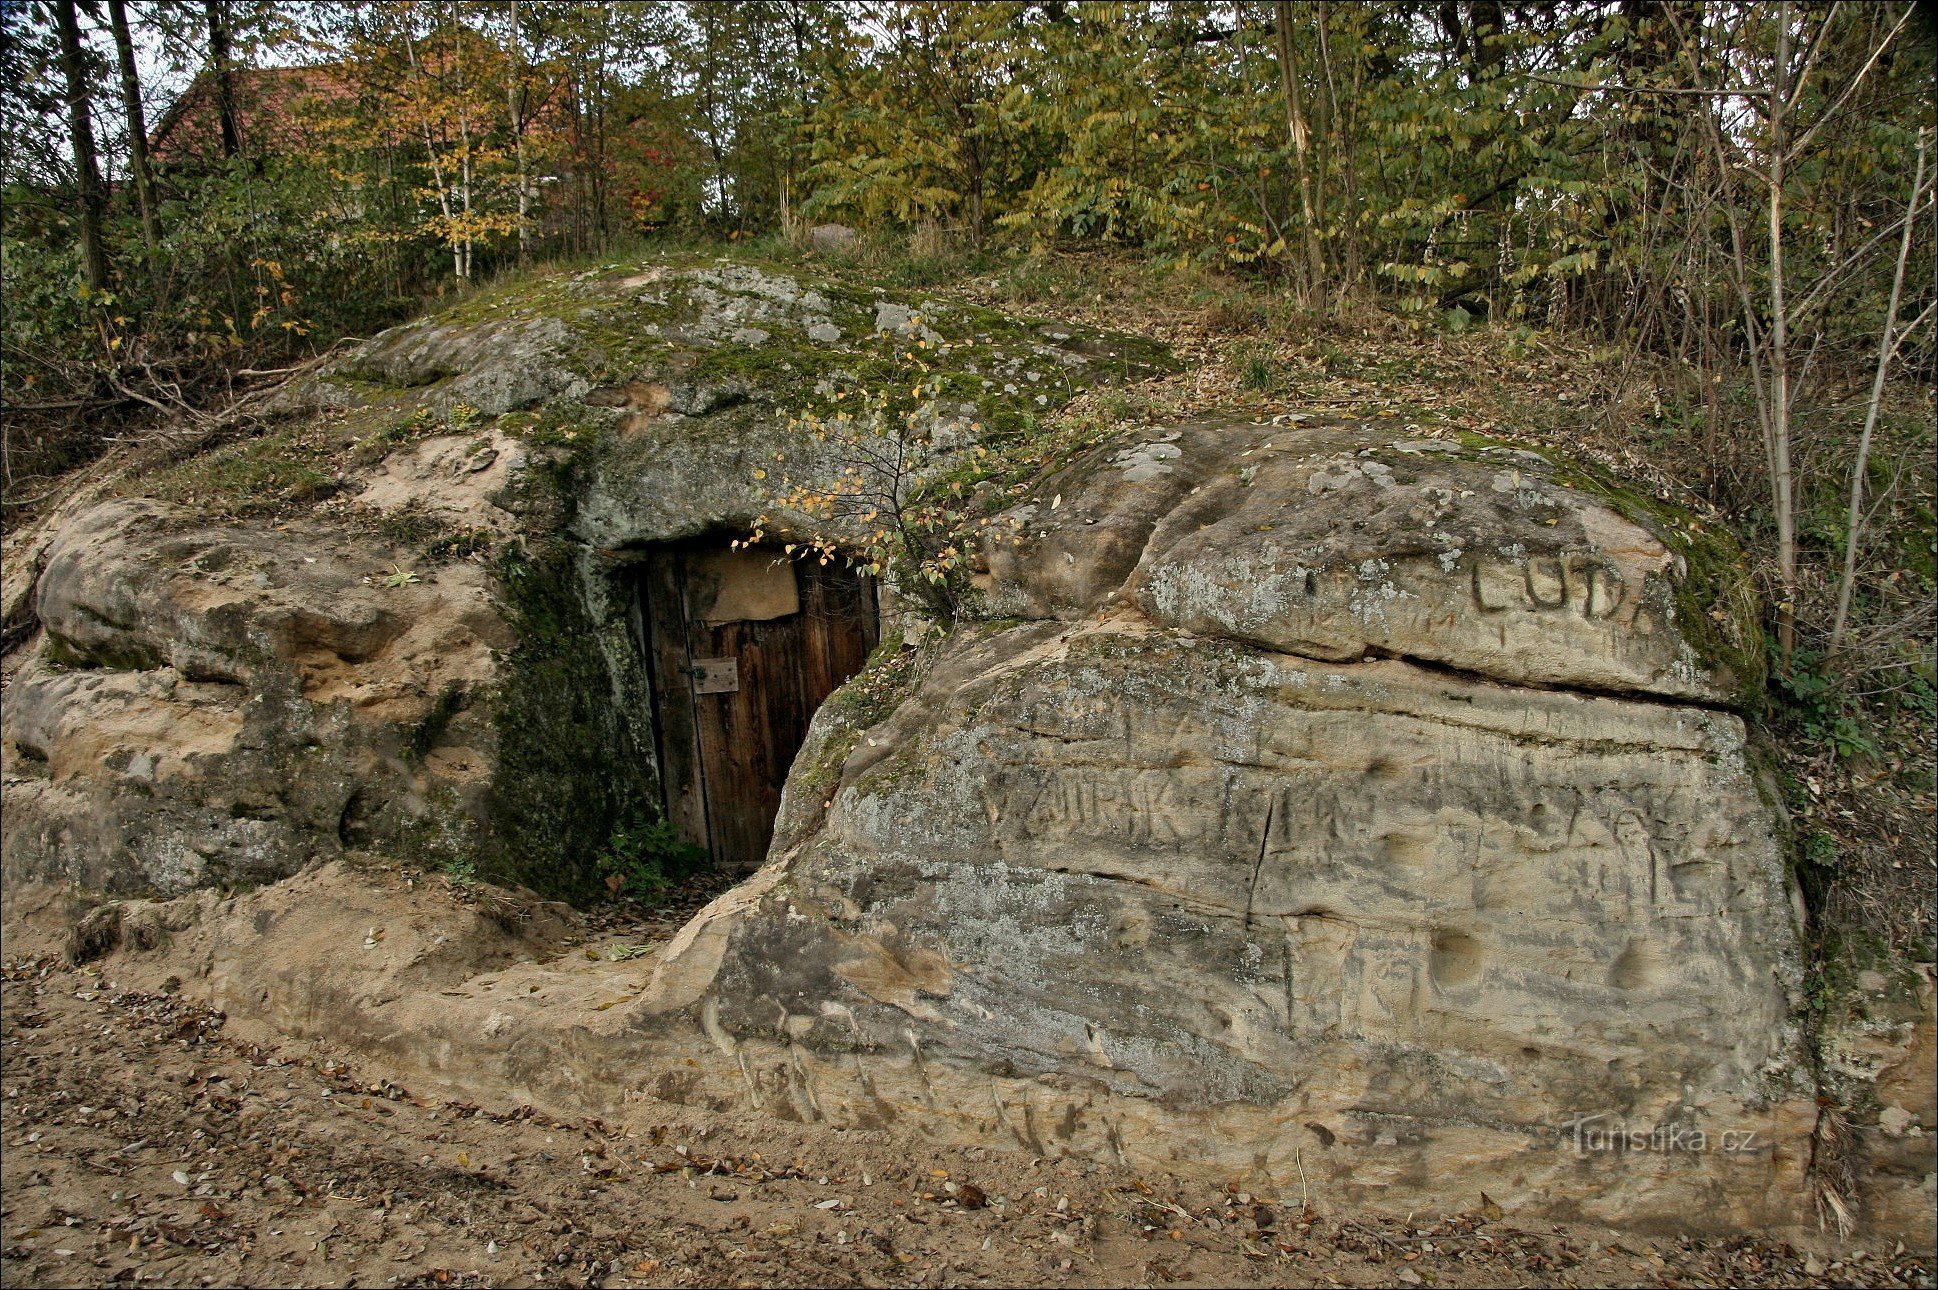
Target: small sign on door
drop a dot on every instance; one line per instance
(716, 676)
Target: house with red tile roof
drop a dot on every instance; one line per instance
(274, 110)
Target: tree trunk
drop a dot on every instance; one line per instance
(419, 90)
(464, 144)
(514, 97)
(1339, 143)
(581, 168)
(225, 90)
(1484, 18)
(1887, 349)
(137, 125)
(1295, 125)
(80, 130)
(973, 164)
(600, 188)
(799, 73)
(1782, 477)
(710, 109)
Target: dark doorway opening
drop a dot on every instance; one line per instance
(743, 646)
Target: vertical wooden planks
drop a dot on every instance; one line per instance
(748, 736)
(725, 756)
(662, 601)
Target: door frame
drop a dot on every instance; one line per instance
(665, 635)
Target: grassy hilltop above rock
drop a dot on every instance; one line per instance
(1359, 700)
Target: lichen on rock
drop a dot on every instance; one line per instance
(1332, 807)
(1301, 802)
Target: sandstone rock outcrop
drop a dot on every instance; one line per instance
(221, 690)
(1336, 545)
(1367, 815)
(1255, 848)
(214, 706)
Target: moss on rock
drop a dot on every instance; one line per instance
(570, 771)
(1715, 601)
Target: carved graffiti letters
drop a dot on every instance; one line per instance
(1550, 583)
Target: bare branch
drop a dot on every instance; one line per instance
(1887, 350)
(1803, 141)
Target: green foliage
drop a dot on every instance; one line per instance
(1254, 362)
(255, 259)
(1920, 698)
(920, 127)
(569, 776)
(643, 856)
(889, 508)
(1820, 709)
(253, 265)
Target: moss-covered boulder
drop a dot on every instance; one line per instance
(1328, 809)
(397, 616)
(681, 386)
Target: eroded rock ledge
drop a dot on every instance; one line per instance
(1339, 542)
(1187, 864)
(1351, 811)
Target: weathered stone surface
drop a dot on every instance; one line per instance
(1342, 542)
(832, 237)
(216, 706)
(678, 381)
(1880, 1057)
(494, 367)
(454, 480)
(1184, 870)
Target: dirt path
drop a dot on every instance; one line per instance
(145, 1146)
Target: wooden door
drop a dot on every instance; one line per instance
(744, 646)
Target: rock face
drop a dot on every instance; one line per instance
(1879, 1046)
(1336, 545)
(1351, 813)
(1297, 832)
(214, 706)
(434, 655)
(832, 238)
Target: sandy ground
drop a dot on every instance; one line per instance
(144, 1144)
